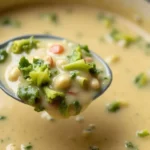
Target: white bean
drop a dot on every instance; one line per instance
(62, 81)
(95, 84)
(14, 74)
(61, 62)
(11, 147)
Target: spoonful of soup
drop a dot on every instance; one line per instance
(53, 74)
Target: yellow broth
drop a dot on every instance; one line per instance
(80, 23)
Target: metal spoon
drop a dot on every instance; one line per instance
(51, 37)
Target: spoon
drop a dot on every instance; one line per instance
(51, 37)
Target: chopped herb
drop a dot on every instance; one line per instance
(114, 106)
(3, 117)
(27, 147)
(130, 146)
(85, 50)
(7, 21)
(106, 19)
(122, 38)
(73, 74)
(77, 107)
(3, 55)
(94, 148)
(141, 80)
(53, 17)
(142, 133)
(63, 108)
(93, 70)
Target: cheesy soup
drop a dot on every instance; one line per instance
(119, 119)
(58, 76)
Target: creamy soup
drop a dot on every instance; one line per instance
(117, 120)
(58, 76)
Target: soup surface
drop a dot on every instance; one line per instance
(112, 121)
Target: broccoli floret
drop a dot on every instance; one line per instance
(40, 74)
(76, 55)
(77, 65)
(36, 73)
(53, 96)
(25, 67)
(24, 45)
(3, 55)
(29, 94)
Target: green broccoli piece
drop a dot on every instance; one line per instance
(25, 67)
(40, 74)
(29, 94)
(85, 50)
(3, 55)
(76, 55)
(24, 45)
(36, 73)
(93, 70)
(77, 65)
(53, 96)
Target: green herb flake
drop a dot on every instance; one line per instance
(120, 37)
(73, 74)
(7, 21)
(3, 55)
(106, 19)
(63, 108)
(28, 147)
(114, 106)
(130, 146)
(141, 80)
(143, 133)
(53, 17)
(3, 118)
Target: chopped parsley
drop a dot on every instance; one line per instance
(3, 55)
(27, 147)
(7, 21)
(53, 17)
(142, 133)
(114, 106)
(2, 118)
(130, 146)
(122, 38)
(141, 80)
(106, 19)
(73, 74)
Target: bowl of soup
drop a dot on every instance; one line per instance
(116, 30)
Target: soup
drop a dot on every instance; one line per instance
(58, 76)
(113, 121)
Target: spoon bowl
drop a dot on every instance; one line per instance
(107, 69)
